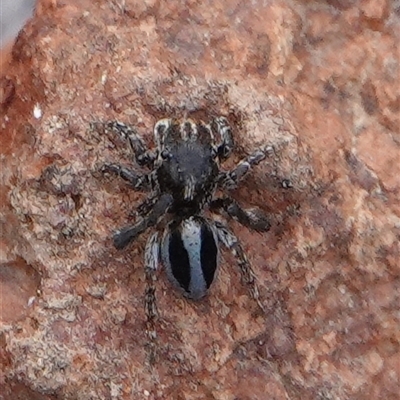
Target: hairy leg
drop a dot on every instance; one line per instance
(226, 144)
(161, 131)
(150, 266)
(124, 236)
(146, 206)
(137, 181)
(142, 156)
(252, 218)
(230, 179)
(189, 130)
(246, 271)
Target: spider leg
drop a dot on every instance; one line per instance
(161, 131)
(246, 271)
(146, 206)
(142, 156)
(151, 257)
(252, 218)
(224, 148)
(137, 181)
(189, 130)
(230, 179)
(124, 236)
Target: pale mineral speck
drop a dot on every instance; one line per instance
(37, 111)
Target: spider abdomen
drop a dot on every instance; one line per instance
(190, 255)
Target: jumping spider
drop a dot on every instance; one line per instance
(184, 174)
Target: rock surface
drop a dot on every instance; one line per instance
(319, 82)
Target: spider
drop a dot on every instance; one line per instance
(183, 177)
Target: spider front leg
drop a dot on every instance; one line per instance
(246, 271)
(145, 207)
(162, 130)
(137, 181)
(252, 218)
(143, 156)
(225, 147)
(150, 267)
(230, 179)
(126, 235)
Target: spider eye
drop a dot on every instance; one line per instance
(165, 155)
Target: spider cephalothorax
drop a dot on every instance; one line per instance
(182, 178)
(187, 166)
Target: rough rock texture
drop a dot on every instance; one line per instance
(317, 80)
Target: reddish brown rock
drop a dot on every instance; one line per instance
(319, 81)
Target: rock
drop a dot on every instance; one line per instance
(319, 82)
